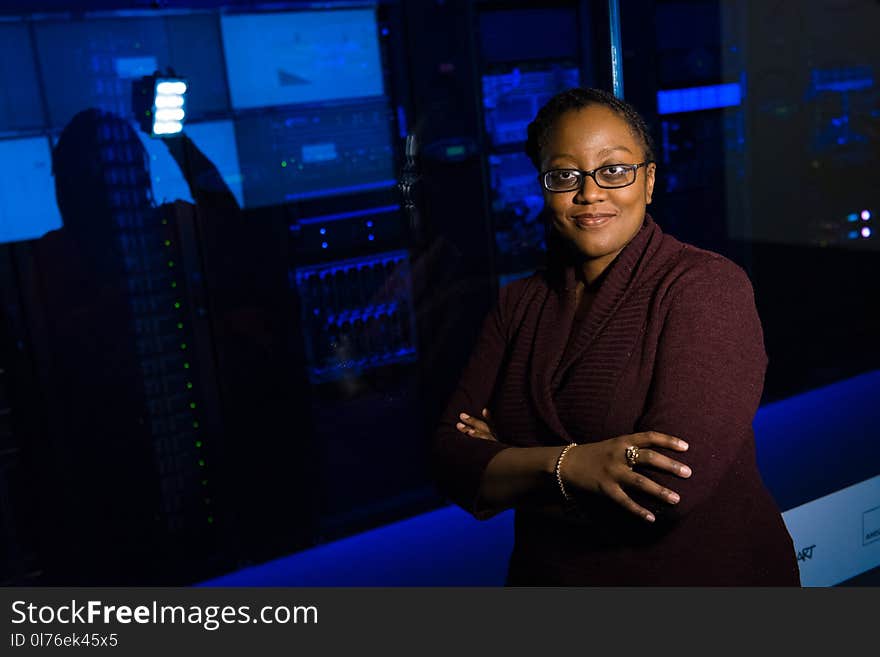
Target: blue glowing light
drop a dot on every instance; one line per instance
(169, 106)
(693, 99)
(348, 215)
(323, 245)
(364, 187)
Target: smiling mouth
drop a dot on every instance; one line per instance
(592, 220)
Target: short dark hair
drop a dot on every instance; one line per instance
(579, 98)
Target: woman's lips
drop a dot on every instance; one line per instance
(592, 220)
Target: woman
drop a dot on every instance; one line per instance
(610, 397)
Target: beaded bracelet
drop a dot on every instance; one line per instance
(565, 495)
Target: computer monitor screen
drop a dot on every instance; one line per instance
(216, 139)
(20, 105)
(311, 152)
(27, 191)
(92, 63)
(301, 57)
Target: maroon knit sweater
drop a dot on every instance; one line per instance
(671, 343)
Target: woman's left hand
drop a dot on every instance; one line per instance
(476, 427)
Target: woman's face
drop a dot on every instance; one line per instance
(597, 222)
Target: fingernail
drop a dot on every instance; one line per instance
(683, 444)
(464, 416)
(686, 471)
(649, 517)
(674, 498)
(459, 426)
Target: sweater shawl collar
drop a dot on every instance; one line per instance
(557, 312)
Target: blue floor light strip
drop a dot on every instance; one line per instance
(817, 454)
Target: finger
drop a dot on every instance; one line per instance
(660, 462)
(657, 439)
(470, 431)
(617, 494)
(486, 414)
(642, 482)
(475, 423)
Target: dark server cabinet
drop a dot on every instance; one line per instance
(20, 562)
(354, 275)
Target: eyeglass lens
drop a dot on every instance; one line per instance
(615, 175)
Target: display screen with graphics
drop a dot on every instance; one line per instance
(302, 57)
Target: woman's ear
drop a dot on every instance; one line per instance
(650, 171)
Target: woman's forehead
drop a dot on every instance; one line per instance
(595, 129)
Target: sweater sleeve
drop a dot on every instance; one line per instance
(707, 381)
(458, 460)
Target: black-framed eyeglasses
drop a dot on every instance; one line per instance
(612, 176)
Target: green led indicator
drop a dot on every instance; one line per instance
(198, 443)
(210, 520)
(173, 283)
(192, 404)
(186, 366)
(202, 462)
(177, 304)
(180, 325)
(183, 346)
(189, 385)
(164, 222)
(195, 425)
(283, 163)
(170, 263)
(204, 482)
(167, 242)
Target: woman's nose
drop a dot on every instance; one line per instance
(589, 191)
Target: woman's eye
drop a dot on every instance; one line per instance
(565, 175)
(613, 171)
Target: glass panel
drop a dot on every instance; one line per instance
(765, 116)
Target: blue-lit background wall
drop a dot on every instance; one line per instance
(230, 347)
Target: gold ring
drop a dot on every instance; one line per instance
(632, 456)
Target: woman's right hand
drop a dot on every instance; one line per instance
(602, 468)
